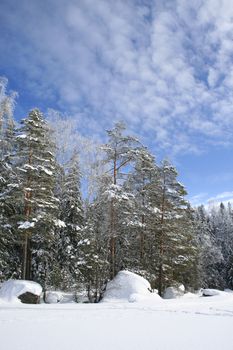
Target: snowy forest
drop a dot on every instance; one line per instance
(72, 217)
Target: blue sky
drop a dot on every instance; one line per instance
(163, 66)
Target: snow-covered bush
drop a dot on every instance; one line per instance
(53, 297)
(174, 292)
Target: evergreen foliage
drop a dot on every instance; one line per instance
(9, 249)
(71, 223)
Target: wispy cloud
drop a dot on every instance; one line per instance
(224, 197)
(165, 67)
(198, 199)
(209, 202)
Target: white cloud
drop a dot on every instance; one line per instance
(165, 68)
(224, 195)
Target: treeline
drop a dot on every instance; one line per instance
(214, 234)
(136, 219)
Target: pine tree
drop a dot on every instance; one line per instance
(139, 184)
(172, 236)
(119, 153)
(36, 171)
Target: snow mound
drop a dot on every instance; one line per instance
(174, 292)
(12, 289)
(129, 287)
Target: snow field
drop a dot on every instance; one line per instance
(194, 323)
(128, 318)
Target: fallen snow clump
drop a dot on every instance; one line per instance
(129, 287)
(12, 289)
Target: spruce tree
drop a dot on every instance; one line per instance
(93, 253)
(222, 230)
(209, 253)
(8, 243)
(72, 214)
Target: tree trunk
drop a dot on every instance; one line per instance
(29, 260)
(142, 242)
(113, 252)
(26, 270)
(160, 283)
(161, 243)
(142, 233)
(112, 226)
(25, 250)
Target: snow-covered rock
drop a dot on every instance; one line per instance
(212, 292)
(129, 287)
(11, 290)
(174, 292)
(53, 297)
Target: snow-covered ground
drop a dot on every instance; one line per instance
(190, 323)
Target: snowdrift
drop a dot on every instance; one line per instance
(129, 287)
(12, 289)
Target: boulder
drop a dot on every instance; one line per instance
(29, 298)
